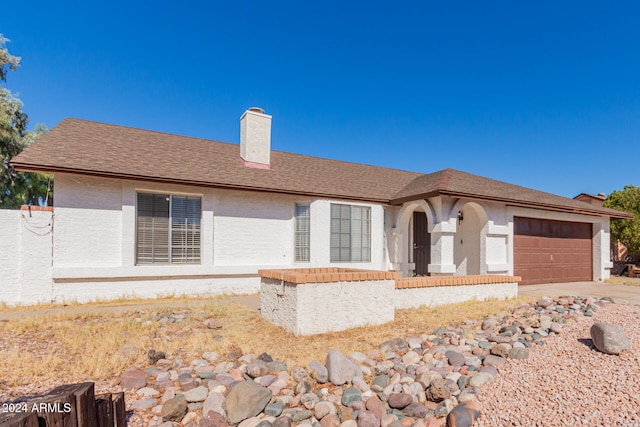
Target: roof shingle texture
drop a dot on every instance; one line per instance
(101, 149)
(462, 184)
(84, 147)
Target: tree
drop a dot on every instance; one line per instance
(627, 231)
(17, 188)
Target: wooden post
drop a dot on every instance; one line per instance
(56, 409)
(119, 410)
(82, 399)
(104, 410)
(73, 405)
(19, 419)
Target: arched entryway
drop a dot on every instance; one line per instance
(413, 241)
(421, 246)
(469, 244)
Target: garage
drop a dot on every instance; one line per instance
(547, 251)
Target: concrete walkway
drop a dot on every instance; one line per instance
(618, 293)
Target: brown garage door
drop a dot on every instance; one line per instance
(552, 251)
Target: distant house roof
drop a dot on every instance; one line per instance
(104, 150)
(592, 199)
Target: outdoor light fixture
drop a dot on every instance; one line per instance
(460, 217)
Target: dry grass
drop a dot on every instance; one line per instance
(91, 346)
(122, 301)
(621, 280)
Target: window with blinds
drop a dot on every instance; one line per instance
(302, 233)
(350, 233)
(168, 229)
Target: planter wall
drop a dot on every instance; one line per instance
(318, 300)
(413, 292)
(312, 301)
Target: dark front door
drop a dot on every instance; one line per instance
(421, 244)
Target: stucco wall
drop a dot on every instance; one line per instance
(441, 295)
(468, 248)
(482, 243)
(313, 308)
(25, 256)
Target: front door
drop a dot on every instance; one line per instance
(421, 244)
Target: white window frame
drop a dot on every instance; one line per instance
(350, 239)
(302, 232)
(191, 252)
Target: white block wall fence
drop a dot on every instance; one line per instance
(318, 300)
(91, 253)
(25, 255)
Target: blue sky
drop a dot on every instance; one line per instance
(542, 94)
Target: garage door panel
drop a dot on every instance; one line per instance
(548, 251)
(546, 274)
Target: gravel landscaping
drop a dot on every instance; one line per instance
(568, 382)
(534, 365)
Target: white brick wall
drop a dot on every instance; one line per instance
(25, 256)
(88, 222)
(94, 242)
(10, 246)
(241, 233)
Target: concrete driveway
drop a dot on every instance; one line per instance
(618, 293)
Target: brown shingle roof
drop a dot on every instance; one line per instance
(80, 146)
(98, 149)
(454, 183)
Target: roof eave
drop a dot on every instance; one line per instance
(25, 167)
(421, 196)
(546, 206)
(511, 202)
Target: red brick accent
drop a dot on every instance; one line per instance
(428, 282)
(36, 208)
(325, 275)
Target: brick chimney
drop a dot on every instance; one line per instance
(255, 138)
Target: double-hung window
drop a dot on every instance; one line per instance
(302, 233)
(350, 233)
(168, 229)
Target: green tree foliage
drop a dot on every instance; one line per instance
(17, 188)
(626, 230)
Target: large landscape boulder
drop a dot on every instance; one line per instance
(609, 339)
(341, 369)
(465, 414)
(245, 400)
